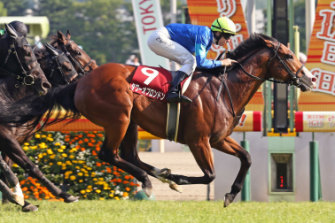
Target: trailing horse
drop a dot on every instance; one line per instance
(59, 70)
(104, 97)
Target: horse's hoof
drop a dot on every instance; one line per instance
(147, 191)
(228, 199)
(165, 172)
(68, 198)
(27, 207)
(175, 187)
(19, 199)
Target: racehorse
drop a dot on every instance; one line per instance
(59, 70)
(105, 98)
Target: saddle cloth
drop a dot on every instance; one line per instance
(153, 82)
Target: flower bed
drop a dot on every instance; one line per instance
(71, 161)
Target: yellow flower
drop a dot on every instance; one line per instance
(25, 148)
(43, 136)
(59, 163)
(50, 139)
(111, 195)
(83, 191)
(88, 190)
(26, 144)
(57, 143)
(72, 157)
(60, 150)
(80, 181)
(40, 155)
(49, 151)
(72, 177)
(95, 179)
(37, 136)
(93, 174)
(64, 155)
(125, 194)
(42, 145)
(98, 191)
(68, 163)
(80, 174)
(101, 198)
(52, 156)
(50, 164)
(63, 147)
(117, 198)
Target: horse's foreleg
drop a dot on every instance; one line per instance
(12, 181)
(203, 155)
(230, 146)
(13, 149)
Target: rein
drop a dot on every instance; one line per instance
(294, 79)
(77, 63)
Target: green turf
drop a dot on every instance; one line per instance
(170, 211)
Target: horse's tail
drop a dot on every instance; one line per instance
(33, 109)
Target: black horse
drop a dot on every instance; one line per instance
(59, 70)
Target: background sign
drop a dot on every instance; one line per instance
(321, 60)
(148, 18)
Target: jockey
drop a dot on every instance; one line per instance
(178, 42)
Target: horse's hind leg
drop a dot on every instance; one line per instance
(230, 146)
(109, 153)
(128, 151)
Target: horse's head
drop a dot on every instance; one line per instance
(82, 62)
(56, 65)
(285, 66)
(19, 61)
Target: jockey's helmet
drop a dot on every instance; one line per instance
(224, 25)
(20, 28)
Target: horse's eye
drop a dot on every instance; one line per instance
(78, 53)
(288, 56)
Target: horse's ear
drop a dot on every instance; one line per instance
(68, 35)
(61, 36)
(11, 31)
(268, 43)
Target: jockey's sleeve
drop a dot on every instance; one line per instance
(201, 54)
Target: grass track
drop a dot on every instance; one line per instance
(170, 212)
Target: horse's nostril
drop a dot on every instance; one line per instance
(314, 79)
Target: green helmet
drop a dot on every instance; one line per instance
(224, 25)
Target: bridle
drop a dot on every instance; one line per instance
(294, 79)
(74, 61)
(57, 59)
(24, 78)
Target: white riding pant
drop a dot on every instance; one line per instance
(160, 42)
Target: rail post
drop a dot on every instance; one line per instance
(245, 195)
(315, 185)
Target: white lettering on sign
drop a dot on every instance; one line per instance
(325, 81)
(152, 93)
(150, 73)
(327, 26)
(226, 7)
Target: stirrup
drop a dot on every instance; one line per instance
(174, 97)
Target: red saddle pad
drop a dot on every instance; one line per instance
(152, 82)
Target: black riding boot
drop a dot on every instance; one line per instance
(173, 93)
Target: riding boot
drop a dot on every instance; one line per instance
(173, 94)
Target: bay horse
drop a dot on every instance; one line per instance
(105, 98)
(59, 70)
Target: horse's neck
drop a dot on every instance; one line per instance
(10, 93)
(243, 87)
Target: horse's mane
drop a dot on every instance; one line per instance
(255, 41)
